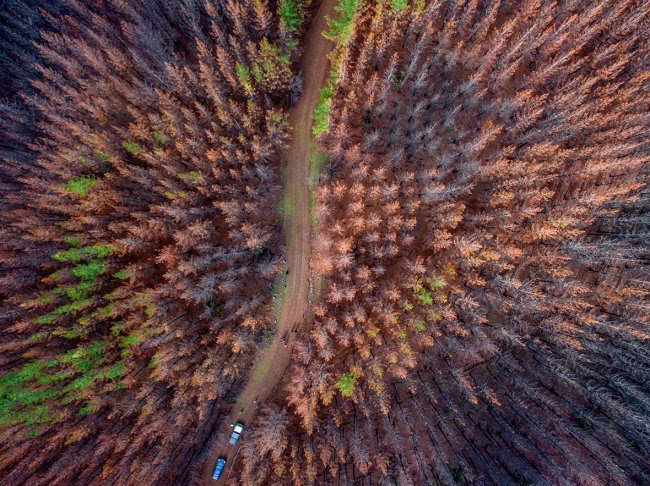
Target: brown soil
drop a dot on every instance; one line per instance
(273, 362)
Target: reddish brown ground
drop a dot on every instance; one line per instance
(273, 363)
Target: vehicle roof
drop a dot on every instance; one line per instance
(219, 466)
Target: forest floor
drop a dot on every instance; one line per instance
(273, 362)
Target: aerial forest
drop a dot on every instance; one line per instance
(474, 306)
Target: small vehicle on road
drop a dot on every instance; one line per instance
(218, 468)
(236, 432)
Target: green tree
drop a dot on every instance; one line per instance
(80, 186)
(346, 384)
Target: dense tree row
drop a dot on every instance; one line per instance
(482, 228)
(140, 158)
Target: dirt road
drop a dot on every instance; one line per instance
(272, 364)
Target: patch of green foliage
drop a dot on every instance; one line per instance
(159, 138)
(86, 253)
(270, 65)
(324, 105)
(78, 292)
(399, 5)
(73, 306)
(244, 75)
(425, 297)
(38, 336)
(30, 394)
(70, 334)
(341, 28)
(80, 186)
(131, 147)
(290, 15)
(102, 156)
(115, 371)
(72, 240)
(257, 73)
(84, 359)
(322, 111)
(346, 384)
(86, 410)
(192, 176)
(88, 271)
(45, 299)
(419, 325)
(44, 319)
(122, 274)
(116, 328)
(81, 383)
(89, 266)
(108, 310)
(56, 276)
(126, 342)
(153, 362)
(34, 393)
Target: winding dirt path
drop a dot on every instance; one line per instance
(272, 364)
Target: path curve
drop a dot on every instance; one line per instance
(272, 364)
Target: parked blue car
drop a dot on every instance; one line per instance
(218, 468)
